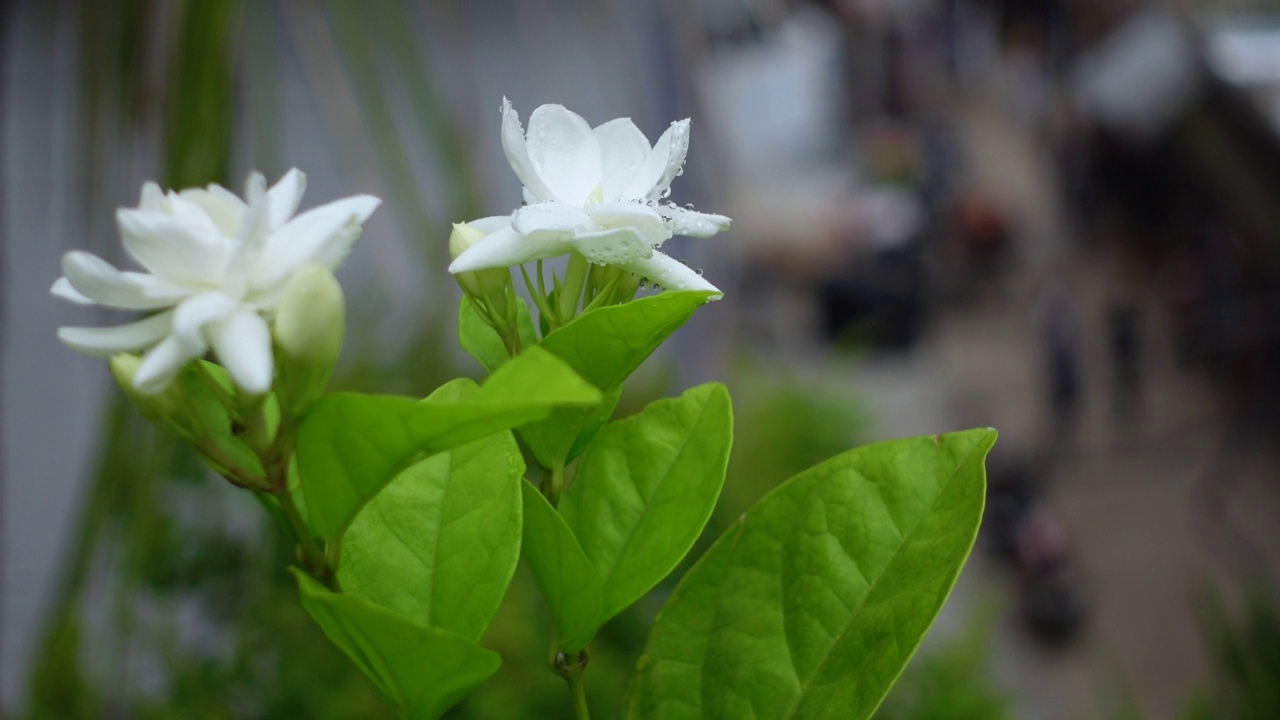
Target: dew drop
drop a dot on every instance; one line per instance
(666, 193)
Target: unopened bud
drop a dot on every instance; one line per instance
(187, 407)
(489, 285)
(309, 325)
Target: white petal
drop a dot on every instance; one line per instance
(179, 252)
(507, 247)
(193, 214)
(105, 342)
(490, 224)
(623, 149)
(242, 343)
(162, 363)
(62, 288)
(517, 152)
(662, 164)
(662, 270)
(152, 198)
(613, 247)
(565, 153)
(99, 281)
(552, 220)
(320, 233)
(285, 195)
(198, 311)
(221, 205)
(695, 224)
(646, 221)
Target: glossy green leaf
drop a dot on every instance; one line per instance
(604, 346)
(812, 604)
(349, 446)
(645, 488)
(483, 342)
(440, 543)
(569, 584)
(419, 671)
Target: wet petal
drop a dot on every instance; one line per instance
(613, 247)
(507, 247)
(550, 220)
(565, 153)
(662, 270)
(322, 233)
(695, 224)
(646, 221)
(663, 162)
(162, 363)
(98, 280)
(180, 252)
(623, 150)
(516, 149)
(242, 343)
(105, 342)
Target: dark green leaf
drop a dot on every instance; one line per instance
(439, 544)
(568, 582)
(350, 446)
(645, 488)
(419, 671)
(812, 604)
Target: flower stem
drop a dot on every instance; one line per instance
(575, 276)
(572, 670)
(313, 556)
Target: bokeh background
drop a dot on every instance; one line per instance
(1060, 218)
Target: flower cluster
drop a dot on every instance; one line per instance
(598, 192)
(217, 267)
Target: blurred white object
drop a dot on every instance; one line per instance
(1140, 78)
(1245, 56)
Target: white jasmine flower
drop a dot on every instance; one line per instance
(595, 191)
(216, 268)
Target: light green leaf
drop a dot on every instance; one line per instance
(568, 582)
(812, 604)
(604, 346)
(440, 543)
(349, 446)
(483, 342)
(419, 671)
(645, 488)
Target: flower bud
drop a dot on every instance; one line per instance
(309, 325)
(488, 286)
(187, 407)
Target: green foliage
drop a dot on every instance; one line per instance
(571, 586)
(418, 670)
(953, 682)
(811, 606)
(349, 446)
(482, 342)
(645, 488)
(1246, 660)
(439, 544)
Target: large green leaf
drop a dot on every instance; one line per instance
(419, 671)
(604, 346)
(645, 488)
(349, 446)
(570, 585)
(812, 604)
(483, 342)
(439, 544)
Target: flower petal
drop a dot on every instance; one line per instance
(105, 342)
(220, 205)
(242, 343)
(517, 152)
(550, 219)
(662, 164)
(181, 252)
(153, 198)
(62, 288)
(662, 270)
(322, 233)
(564, 153)
(284, 196)
(507, 247)
(623, 150)
(491, 224)
(694, 224)
(163, 362)
(98, 280)
(646, 221)
(613, 247)
(198, 311)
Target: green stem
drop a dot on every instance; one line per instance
(575, 276)
(572, 670)
(313, 556)
(554, 485)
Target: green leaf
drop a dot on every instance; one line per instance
(419, 671)
(483, 342)
(812, 604)
(440, 543)
(604, 346)
(349, 446)
(570, 585)
(645, 488)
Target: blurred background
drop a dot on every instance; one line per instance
(1060, 218)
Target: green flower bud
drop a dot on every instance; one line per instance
(171, 408)
(309, 325)
(487, 286)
